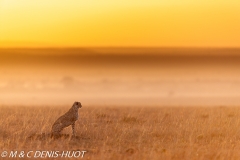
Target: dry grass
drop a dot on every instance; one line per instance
(128, 133)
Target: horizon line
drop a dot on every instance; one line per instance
(121, 47)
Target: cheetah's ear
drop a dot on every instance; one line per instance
(78, 104)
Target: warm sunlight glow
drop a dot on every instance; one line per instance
(62, 23)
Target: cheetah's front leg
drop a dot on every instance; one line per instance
(73, 129)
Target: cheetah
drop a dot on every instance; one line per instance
(66, 120)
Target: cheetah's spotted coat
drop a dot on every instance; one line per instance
(67, 119)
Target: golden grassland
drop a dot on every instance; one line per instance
(127, 132)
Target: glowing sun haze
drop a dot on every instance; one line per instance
(171, 23)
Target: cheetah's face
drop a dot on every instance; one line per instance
(78, 105)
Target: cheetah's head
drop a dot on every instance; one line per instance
(77, 105)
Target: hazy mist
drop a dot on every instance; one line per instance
(113, 76)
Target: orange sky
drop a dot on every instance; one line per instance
(162, 23)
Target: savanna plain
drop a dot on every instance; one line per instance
(126, 132)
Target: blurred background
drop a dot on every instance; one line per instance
(120, 76)
(128, 52)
